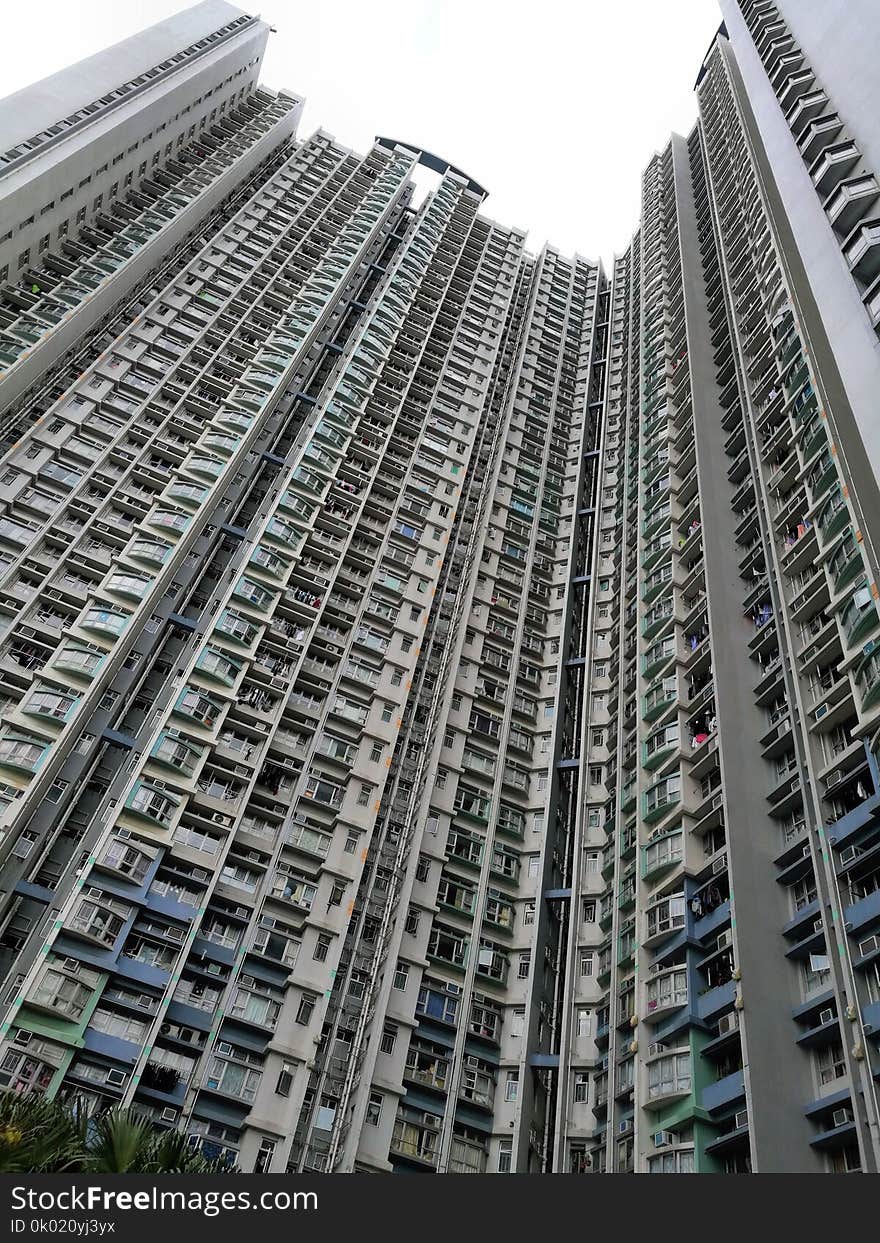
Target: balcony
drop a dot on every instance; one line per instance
(665, 991)
(669, 1079)
(862, 252)
(415, 1143)
(867, 679)
(664, 918)
(818, 135)
(723, 1092)
(850, 201)
(834, 164)
(662, 798)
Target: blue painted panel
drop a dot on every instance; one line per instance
(112, 1046)
(724, 1092)
(716, 999)
(862, 913)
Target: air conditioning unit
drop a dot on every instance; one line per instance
(728, 1023)
(71, 964)
(724, 939)
(840, 1117)
(868, 947)
(862, 597)
(818, 925)
(741, 1119)
(116, 1078)
(168, 1114)
(165, 1028)
(432, 1119)
(655, 967)
(624, 1125)
(820, 712)
(851, 853)
(826, 1015)
(657, 1047)
(174, 934)
(719, 865)
(219, 818)
(662, 1139)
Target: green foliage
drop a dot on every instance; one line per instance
(42, 1136)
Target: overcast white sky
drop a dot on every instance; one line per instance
(554, 106)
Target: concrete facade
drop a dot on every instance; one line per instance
(438, 681)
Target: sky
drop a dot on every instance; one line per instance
(555, 107)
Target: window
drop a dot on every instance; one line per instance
(100, 920)
(322, 946)
(589, 910)
(591, 861)
(63, 994)
(401, 976)
(306, 1009)
(363, 798)
(24, 259)
(831, 1064)
(374, 1109)
(505, 1156)
(387, 710)
(511, 1085)
(534, 865)
(376, 752)
(285, 1079)
(264, 1156)
(233, 1073)
(846, 1161)
(669, 1076)
(584, 1022)
(522, 970)
(679, 1161)
(389, 1038)
(585, 967)
(581, 1092)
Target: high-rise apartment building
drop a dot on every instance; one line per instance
(438, 681)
